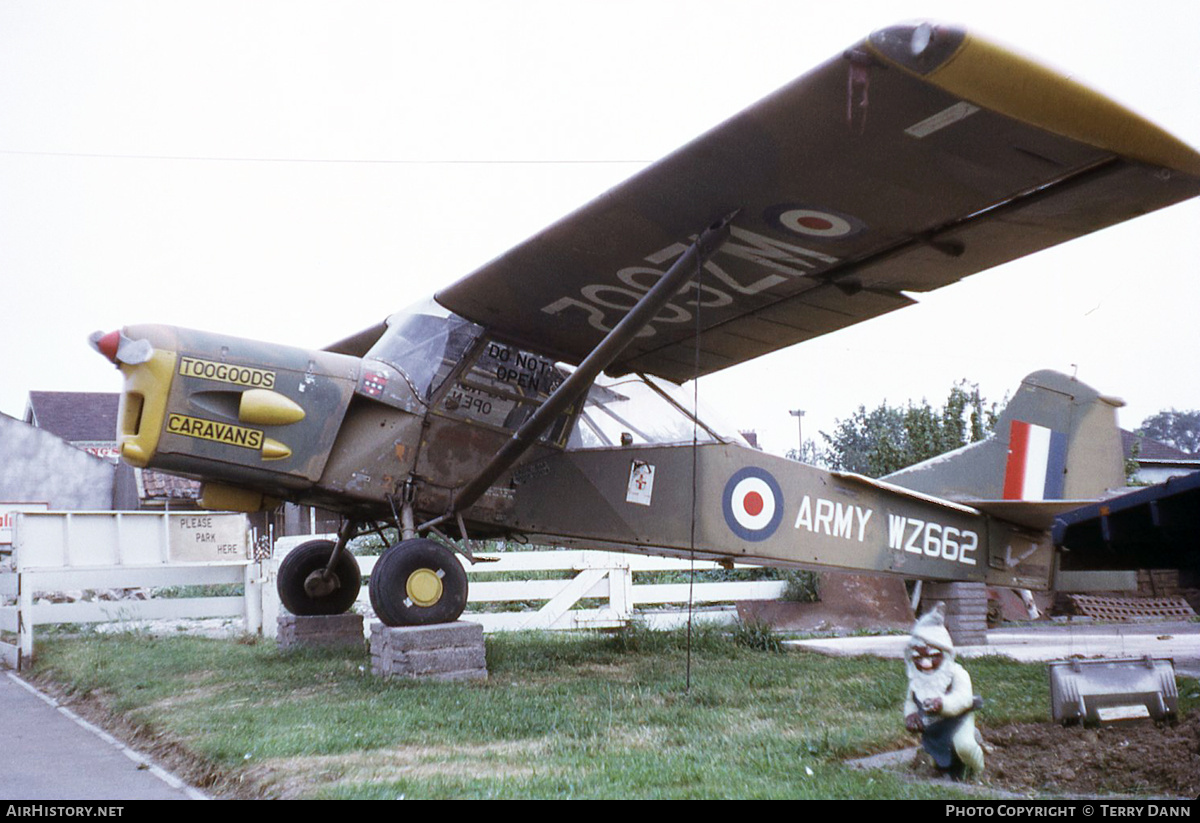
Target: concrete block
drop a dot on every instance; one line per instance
(444, 651)
(437, 636)
(337, 630)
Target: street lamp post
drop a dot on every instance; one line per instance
(799, 415)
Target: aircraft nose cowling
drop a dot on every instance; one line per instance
(241, 413)
(118, 348)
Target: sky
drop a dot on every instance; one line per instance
(295, 171)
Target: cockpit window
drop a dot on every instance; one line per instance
(633, 411)
(504, 384)
(425, 343)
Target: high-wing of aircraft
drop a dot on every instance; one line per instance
(538, 397)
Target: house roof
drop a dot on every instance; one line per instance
(75, 416)
(158, 486)
(91, 417)
(1153, 451)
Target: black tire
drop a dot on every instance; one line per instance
(303, 561)
(418, 582)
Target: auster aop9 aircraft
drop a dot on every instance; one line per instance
(536, 398)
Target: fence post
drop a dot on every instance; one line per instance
(270, 598)
(9, 618)
(620, 590)
(252, 588)
(24, 619)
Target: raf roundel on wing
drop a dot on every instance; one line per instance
(816, 224)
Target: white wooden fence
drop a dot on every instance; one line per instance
(91, 551)
(56, 552)
(578, 576)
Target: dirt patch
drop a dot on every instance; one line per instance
(848, 602)
(1142, 759)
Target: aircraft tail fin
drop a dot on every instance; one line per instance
(1057, 440)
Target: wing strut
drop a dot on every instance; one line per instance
(605, 352)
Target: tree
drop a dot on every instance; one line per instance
(812, 454)
(1180, 429)
(889, 438)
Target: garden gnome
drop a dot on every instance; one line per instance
(940, 703)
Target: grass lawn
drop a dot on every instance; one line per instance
(561, 716)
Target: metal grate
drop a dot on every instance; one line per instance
(1130, 608)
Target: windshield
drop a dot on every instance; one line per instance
(425, 343)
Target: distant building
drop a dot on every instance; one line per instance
(1156, 461)
(36, 467)
(88, 421)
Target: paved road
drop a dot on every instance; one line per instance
(49, 753)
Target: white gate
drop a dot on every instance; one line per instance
(74, 551)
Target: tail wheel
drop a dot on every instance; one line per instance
(416, 583)
(305, 590)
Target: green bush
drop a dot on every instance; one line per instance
(802, 587)
(755, 634)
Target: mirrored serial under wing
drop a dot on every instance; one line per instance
(919, 156)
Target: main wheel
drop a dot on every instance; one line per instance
(418, 582)
(302, 589)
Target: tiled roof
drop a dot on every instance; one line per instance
(159, 486)
(1153, 450)
(75, 416)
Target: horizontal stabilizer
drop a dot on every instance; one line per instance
(903, 492)
(1033, 514)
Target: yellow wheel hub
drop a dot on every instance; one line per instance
(424, 587)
